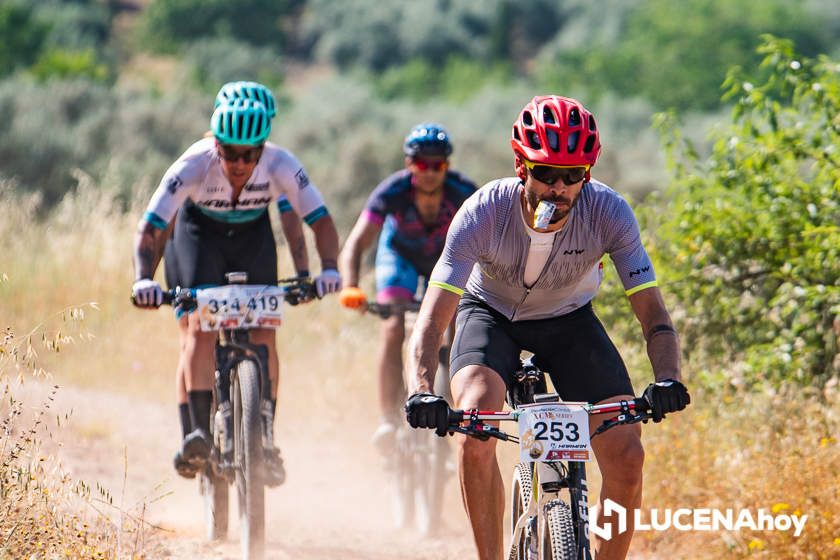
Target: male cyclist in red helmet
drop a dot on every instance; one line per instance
(520, 266)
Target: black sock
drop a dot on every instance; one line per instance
(186, 422)
(200, 409)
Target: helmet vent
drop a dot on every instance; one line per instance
(574, 117)
(572, 142)
(590, 143)
(516, 134)
(591, 123)
(553, 140)
(533, 140)
(528, 118)
(548, 116)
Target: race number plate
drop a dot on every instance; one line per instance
(554, 432)
(240, 307)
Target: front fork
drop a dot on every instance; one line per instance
(227, 357)
(579, 496)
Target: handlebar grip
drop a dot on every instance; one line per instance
(455, 417)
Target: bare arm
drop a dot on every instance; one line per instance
(363, 234)
(663, 345)
(149, 243)
(293, 232)
(435, 314)
(326, 240)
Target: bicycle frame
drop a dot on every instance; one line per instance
(548, 479)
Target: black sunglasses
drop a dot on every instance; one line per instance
(228, 153)
(550, 174)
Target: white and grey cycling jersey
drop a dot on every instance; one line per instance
(487, 249)
(277, 178)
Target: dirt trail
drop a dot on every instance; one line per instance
(332, 505)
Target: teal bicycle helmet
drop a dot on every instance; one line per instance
(241, 122)
(247, 90)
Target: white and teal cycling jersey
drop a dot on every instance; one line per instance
(487, 249)
(278, 178)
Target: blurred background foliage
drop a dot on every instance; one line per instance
(742, 222)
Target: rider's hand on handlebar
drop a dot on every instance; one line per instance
(328, 282)
(146, 293)
(352, 297)
(425, 410)
(668, 395)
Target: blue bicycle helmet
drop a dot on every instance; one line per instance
(247, 90)
(241, 122)
(427, 139)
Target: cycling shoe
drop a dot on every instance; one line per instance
(275, 472)
(184, 467)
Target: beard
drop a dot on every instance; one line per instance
(562, 205)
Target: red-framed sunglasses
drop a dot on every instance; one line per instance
(434, 165)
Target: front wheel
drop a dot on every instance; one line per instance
(557, 532)
(214, 488)
(249, 456)
(524, 543)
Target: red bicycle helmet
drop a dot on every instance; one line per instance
(555, 130)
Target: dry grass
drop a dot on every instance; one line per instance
(755, 450)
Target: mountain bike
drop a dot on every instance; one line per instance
(242, 413)
(554, 442)
(420, 464)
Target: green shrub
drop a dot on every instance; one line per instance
(216, 61)
(753, 232)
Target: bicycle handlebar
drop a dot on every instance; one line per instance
(629, 412)
(297, 290)
(385, 310)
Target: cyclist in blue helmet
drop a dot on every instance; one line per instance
(412, 209)
(220, 190)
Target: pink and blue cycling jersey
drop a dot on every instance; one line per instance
(391, 205)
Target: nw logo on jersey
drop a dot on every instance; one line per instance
(173, 184)
(639, 271)
(302, 179)
(573, 251)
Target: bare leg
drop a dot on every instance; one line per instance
(199, 360)
(620, 457)
(269, 338)
(481, 481)
(391, 387)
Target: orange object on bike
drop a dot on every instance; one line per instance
(352, 297)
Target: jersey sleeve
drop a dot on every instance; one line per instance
(380, 202)
(173, 190)
(624, 245)
(300, 194)
(466, 243)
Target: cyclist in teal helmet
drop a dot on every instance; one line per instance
(247, 90)
(220, 190)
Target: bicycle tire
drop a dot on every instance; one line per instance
(249, 458)
(214, 488)
(403, 475)
(521, 493)
(431, 465)
(557, 532)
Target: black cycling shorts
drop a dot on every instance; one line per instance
(574, 349)
(201, 250)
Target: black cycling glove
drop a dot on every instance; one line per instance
(668, 395)
(425, 410)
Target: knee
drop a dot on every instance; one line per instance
(626, 463)
(476, 452)
(393, 330)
